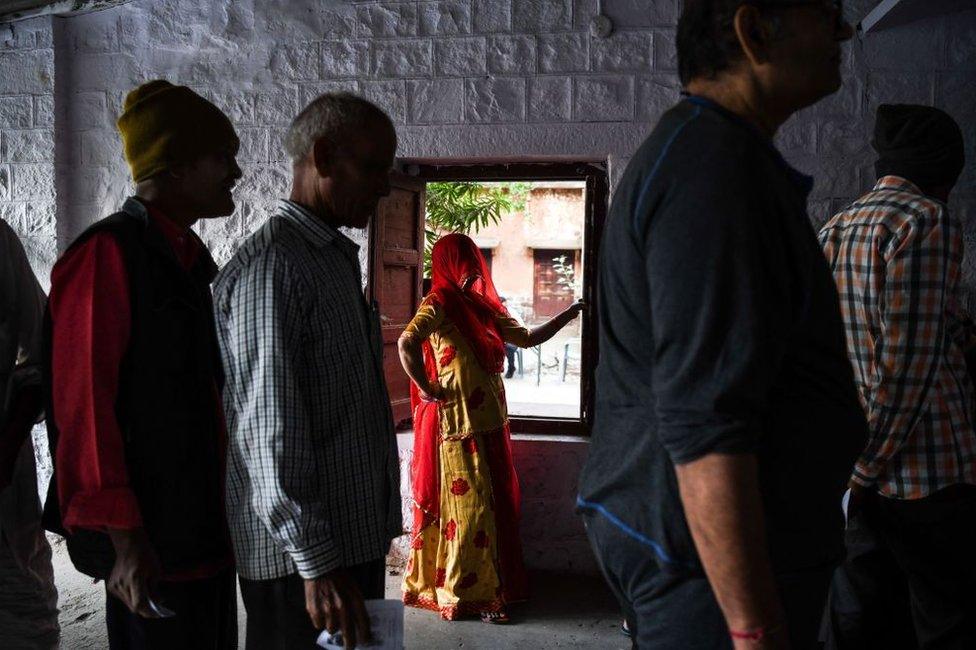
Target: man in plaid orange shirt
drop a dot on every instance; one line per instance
(896, 256)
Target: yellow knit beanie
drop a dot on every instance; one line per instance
(163, 125)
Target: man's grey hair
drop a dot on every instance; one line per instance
(333, 116)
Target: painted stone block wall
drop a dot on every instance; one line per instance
(488, 79)
(27, 194)
(462, 79)
(27, 158)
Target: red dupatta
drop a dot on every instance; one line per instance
(454, 261)
(424, 480)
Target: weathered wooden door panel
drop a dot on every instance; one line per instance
(396, 268)
(550, 295)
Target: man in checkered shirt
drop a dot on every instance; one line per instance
(312, 470)
(896, 255)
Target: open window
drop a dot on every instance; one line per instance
(542, 255)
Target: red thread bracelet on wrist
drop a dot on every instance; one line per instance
(757, 634)
(748, 635)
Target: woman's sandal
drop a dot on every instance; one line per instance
(495, 618)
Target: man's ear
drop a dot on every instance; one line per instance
(187, 167)
(174, 172)
(323, 156)
(755, 33)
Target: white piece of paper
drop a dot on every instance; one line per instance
(385, 623)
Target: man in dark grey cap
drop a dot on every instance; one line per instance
(896, 255)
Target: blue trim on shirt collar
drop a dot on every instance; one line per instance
(802, 181)
(642, 197)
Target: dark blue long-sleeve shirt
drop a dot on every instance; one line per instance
(720, 332)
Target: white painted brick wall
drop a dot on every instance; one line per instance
(623, 52)
(348, 58)
(16, 112)
(495, 100)
(512, 54)
(492, 15)
(391, 95)
(461, 56)
(550, 98)
(567, 52)
(27, 191)
(407, 58)
(462, 79)
(445, 18)
(387, 19)
(436, 101)
(535, 16)
(605, 98)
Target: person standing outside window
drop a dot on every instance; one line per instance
(726, 412)
(511, 350)
(896, 254)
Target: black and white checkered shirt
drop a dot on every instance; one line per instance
(312, 469)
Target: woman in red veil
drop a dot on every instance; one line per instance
(466, 556)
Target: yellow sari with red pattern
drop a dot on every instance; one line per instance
(465, 556)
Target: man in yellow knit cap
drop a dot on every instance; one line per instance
(134, 411)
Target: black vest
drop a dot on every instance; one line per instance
(166, 406)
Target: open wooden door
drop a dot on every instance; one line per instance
(396, 242)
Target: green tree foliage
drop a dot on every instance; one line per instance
(467, 207)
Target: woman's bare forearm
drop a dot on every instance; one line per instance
(720, 494)
(412, 360)
(542, 333)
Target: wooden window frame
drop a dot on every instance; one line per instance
(597, 198)
(381, 257)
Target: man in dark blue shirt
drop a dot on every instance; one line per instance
(726, 412)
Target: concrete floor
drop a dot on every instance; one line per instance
(564, 612)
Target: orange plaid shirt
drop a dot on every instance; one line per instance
(896, 256)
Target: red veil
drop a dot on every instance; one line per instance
(473, 311)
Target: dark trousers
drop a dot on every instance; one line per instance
(206, 617)
(909, 580)
(666, 610)
(276, 615)
(510, 351)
